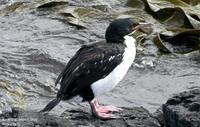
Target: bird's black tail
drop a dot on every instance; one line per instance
(51, 105)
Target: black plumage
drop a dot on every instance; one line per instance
(89, 64)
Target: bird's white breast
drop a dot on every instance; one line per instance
(112, 79)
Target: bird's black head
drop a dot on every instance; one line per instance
(118, 29)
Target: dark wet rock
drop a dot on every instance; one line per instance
(183, 110)
(21, 118)
(173, 101)
(195, 106)
(130, 117)
(158, 114)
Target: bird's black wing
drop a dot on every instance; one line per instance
(89, 64)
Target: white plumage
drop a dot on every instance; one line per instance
(111, 80)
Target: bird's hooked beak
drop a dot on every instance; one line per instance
(143, 27)
(140, 31)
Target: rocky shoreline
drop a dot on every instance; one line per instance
(38, 37)
(182, 110)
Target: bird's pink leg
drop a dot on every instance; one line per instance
(103, 112)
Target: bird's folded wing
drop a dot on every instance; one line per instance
(89, 64)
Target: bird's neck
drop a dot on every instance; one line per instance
(129, 41)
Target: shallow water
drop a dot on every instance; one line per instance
(34, 48)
